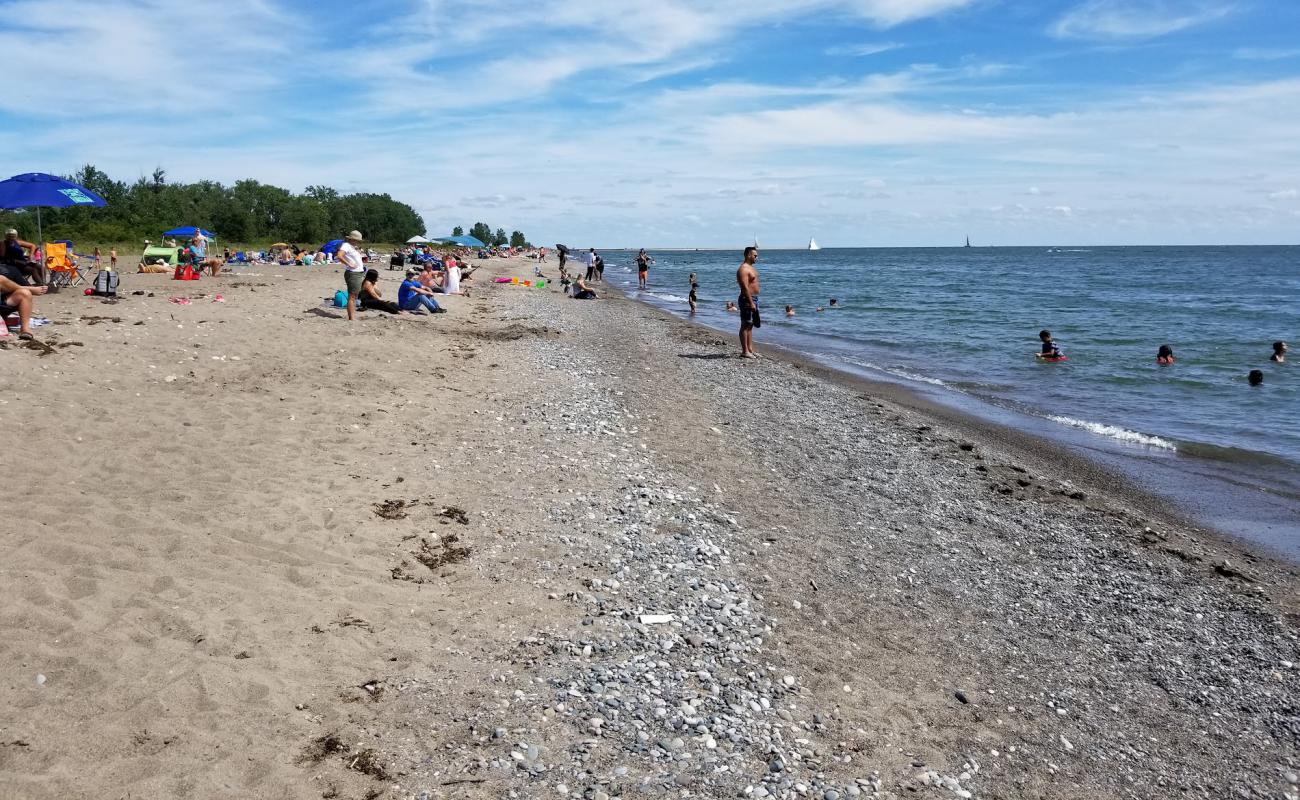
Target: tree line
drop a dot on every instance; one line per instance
(484, 233)
(246, 212)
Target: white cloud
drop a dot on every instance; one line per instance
(1265, 53)
(1285, 194)
(1135, 19)
(862, 50)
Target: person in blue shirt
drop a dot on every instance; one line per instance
(412, 296)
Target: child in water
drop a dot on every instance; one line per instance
(1279, 352)
(789, 311)
(1165, 355)
(692, 298)
(1256, 377)
(1051, 351)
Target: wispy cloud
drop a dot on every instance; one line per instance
(1265, 53)
(1135, 19)
(862, 50)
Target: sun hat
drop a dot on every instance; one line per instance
(11, 232)
(354, 236)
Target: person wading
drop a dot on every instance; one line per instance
(747, 277)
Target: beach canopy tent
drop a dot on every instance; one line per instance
(189, 230)
(38, 189)
(161, 254)
(417, 240)
(463, 241)
(331, 247)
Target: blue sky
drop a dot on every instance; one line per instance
(662, 123)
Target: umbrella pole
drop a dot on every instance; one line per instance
(40, 239)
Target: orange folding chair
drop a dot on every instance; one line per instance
(62, 266)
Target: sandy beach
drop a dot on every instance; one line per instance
(537, 547)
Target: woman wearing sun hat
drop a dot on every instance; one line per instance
(354, 269)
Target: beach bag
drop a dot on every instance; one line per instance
(105, 283)
(340, 299)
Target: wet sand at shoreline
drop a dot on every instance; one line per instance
(268, 555)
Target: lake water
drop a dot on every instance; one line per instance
(961, 325)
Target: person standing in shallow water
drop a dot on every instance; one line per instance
(747, 278)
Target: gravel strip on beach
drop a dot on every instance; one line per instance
(776, 587)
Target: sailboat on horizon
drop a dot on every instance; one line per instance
(812, 244)
(968, 241)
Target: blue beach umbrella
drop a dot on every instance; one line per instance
(37, 190)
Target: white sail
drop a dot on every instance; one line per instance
(812, 244)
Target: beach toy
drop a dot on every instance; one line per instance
(514, 281)
(1057, 358)
(528, 283)
(541, 284)
(88, 292)
(501, 280)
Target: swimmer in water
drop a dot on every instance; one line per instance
(834, 303)
(1165, 355)
(789, 311)
(731, 305)
(1256, 377)
(1050, 350)
(1279, 352)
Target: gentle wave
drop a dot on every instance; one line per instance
(1116, 432)
(897, 372)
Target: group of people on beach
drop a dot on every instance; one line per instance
(417, 292)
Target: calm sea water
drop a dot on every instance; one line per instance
(962, 325)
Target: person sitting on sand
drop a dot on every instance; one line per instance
(789, 311)
(1256, 377)
(451, 278)
(731, 306)
(412, 296)
(22, 254)
(16, 295)
(1050, 350)
(371, 297)
(581, 291)
(1165, 355)
(1279, 352)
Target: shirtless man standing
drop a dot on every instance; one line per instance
(747, 277)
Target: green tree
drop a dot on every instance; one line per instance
(458, 231)
(246, 212)
(499, 238)
(517, 239)
(482, 232)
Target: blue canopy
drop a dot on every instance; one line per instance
(36, 189)
(188, 230)
(463, 241)
(331, 247)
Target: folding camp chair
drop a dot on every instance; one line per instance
(62, 268)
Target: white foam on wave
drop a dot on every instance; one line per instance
(897, 372)
(1116, 432)
(672, 298)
